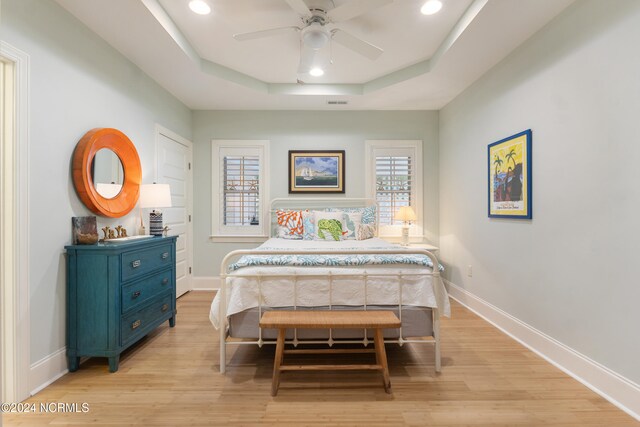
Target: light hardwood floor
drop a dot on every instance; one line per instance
(171, 379)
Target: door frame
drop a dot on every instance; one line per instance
(159, 131)
(15, 336)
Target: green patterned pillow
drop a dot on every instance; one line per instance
(328, 226)
(328, 229)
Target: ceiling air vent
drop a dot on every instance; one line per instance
(337, 102)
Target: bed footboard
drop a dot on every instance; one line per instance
(330, 340)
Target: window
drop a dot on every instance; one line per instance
(394, 179)
(240, 189)
(239, 193)
(393, 185)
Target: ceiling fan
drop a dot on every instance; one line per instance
(316, 15)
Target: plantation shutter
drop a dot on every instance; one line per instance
(241, 190)
(394, 183)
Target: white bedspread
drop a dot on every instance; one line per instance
(313, 283)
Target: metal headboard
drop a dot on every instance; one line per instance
(318, 203)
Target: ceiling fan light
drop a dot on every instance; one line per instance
(431, 7)
(315, 36)
(316, 72)
(200, 7)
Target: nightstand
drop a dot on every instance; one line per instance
(426, 246)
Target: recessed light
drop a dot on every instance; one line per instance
(431, 7)
(200, 7)
(316, 72)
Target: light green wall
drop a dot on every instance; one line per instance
(290, 130)
(569, 272)
(77, 82)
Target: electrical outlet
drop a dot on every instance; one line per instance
(469, 270)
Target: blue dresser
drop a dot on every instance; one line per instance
(116, 294)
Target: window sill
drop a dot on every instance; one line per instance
(238, 239)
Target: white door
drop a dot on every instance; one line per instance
(174, 168)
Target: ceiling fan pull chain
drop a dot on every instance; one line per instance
(331, 51)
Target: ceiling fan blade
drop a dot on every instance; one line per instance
(307, 55)
(299, 6)
(355, 8)
(357, 45)
(263, 33)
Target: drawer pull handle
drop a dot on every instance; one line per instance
(165, 307)
(135, 324)
(136, 263)
(136, 294)
(165, 281)
(165, 255)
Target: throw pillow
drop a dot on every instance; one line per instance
(289, 224)
(328, 225)
(350, 223)
(365, 231)
(309, 225)
(368, 213)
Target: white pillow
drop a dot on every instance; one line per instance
(350, 223)
(329, 225)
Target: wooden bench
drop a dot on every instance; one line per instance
(285, 319)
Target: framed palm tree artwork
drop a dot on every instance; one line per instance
(509, 167)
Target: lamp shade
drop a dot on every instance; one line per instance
(155, 196)
(315, 36)
(406, 213)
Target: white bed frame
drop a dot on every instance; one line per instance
(231, 256)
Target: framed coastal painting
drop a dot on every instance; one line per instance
(510, 177)
(316, 171)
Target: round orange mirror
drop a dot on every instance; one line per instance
(108, 185)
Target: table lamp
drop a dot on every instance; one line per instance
(406, 214)
(155, 196)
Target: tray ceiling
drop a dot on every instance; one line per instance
(427, 60)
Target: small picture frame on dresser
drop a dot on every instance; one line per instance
(84, 230)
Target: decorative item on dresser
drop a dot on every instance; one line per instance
(155, 196)
(116, 294)
(84, 230)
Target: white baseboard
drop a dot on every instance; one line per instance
(206, 283)
(620, 391)
(47, 370)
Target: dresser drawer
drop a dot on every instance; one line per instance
(141, 322)
(137, 293)
(137, 263)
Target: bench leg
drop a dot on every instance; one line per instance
(278, 361)
(381, 359)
